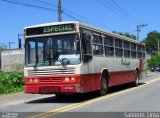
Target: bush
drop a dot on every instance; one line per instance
(155, 60)
(11, 82)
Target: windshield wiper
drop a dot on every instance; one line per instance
(61, 62)
(35, 66)
(56, 57)
(36, 63)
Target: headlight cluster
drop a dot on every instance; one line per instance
(32, 81)
(71, 79)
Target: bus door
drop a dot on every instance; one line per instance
(88, 64)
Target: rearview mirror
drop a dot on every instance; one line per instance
(86, 43)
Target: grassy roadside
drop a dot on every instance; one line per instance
(11, 82)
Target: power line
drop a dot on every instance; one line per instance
(47, 3)
(72, 14)
(82, 17)
(114, 7)
(111, 8)
(125, 11)
(64, 10)
(29, 5)
(38, 7)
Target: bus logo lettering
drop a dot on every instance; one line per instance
(58, 28)
(125, 63)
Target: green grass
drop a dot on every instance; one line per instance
(11, 82)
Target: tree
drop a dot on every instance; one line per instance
(155, 60)
(151, 41)
(126, 34)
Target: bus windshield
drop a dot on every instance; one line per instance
(51, 51)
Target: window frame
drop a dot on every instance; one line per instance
(97, 41)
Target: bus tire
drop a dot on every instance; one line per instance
(136, 82)
(104, 86)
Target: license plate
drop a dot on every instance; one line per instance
(49, 89)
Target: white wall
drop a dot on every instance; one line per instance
(12, 59)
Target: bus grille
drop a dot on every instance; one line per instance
(50, 79)
(42, 72)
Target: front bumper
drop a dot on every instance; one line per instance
(49, 89)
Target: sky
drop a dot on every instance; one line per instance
(111, 15)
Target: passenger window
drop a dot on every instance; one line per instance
(119, 52)
(97, 39)
(97, 45)
(133, 47)
(127, 53)
(126, 45)
(108, 40)
(118, 43)
(109, 51)
(139, 48)
(97, 49)
(139, 55)
(133, 54)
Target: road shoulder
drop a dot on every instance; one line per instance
(20, 97)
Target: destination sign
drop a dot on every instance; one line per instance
(50, 29)
(59, 28)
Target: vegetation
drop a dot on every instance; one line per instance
(11, 82)
(155, 60)
(151, 42)
(126, 34)
(3, 46)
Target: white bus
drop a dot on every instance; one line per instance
(72, 57)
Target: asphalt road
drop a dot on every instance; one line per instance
(123, 101)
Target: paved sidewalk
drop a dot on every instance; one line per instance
(19, 97)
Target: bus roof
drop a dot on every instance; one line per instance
(49, 24)
(94, 28)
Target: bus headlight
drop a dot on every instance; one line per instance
(73, 79)
(66, 79)
(35, 81)
(32, 81)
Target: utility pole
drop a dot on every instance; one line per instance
(59, 11)
(10, 44)
(139, 30)
(20, 41)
